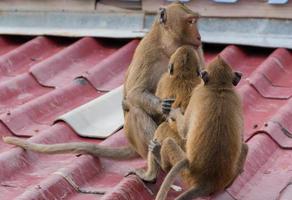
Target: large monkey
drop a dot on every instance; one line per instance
(178, 83)
(213, 124)
(176, 25)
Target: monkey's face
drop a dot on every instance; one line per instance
(180, 23)
(183, 61)
(219, 73)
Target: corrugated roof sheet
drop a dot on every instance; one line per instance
(44, 77)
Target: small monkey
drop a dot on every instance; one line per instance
(213, 124)
(175, 25)
(178, 83)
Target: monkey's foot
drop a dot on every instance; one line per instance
(155, 147)
(143, 175)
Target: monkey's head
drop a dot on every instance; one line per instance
(179, 24)
(184, 61)
(219, 73)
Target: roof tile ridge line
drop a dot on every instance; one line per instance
(35, 190)
(273, 119)
(277, 120)
(18, 152)
(25, 81)
(23, 45)
(284, 130)
(77, 188)
(231, 196)
(105, 61)
(74, 170)
(11, 132)
(264, 132)
(274, 86)
(53, 121)
(231, 51)
(266, 154)
(49, 93)
(274, 56)
(60, 53)
(123, 188)
(27, 104)
(35, 42)
(271, 137)
(249, 81)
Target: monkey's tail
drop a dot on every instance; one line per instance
(117, 153)
(162, 193)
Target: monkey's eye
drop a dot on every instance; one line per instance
(192, 20)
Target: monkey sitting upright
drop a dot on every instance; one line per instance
(178, 83)
(213, 124)
(175, 25)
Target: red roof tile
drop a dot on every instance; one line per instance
(44, 77)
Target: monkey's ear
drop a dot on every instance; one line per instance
(205, 77)
(170, 68)
(162, 15)
(236, 78)
(198, 72)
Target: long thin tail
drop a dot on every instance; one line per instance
(117, 153)
(162, 193)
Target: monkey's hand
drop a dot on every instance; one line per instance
(155, 147)
(166, 105)
(172, 115)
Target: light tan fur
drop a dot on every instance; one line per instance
(175, 26)
(178, 84)
(215, 153)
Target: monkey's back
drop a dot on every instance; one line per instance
(214, 137)
(178, 88)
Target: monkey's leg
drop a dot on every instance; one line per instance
(152, 170)
(241, 161)
(170, 153)
(163, 131)
(139, 129)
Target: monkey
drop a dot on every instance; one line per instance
(178, 83)
(141, 120)
(214, 153)
(175, 25)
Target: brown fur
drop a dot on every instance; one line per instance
(178, 83)
(146, 70)
(215, 152)
(175, 26)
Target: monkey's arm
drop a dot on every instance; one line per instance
(146, 100)
(161, 195)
